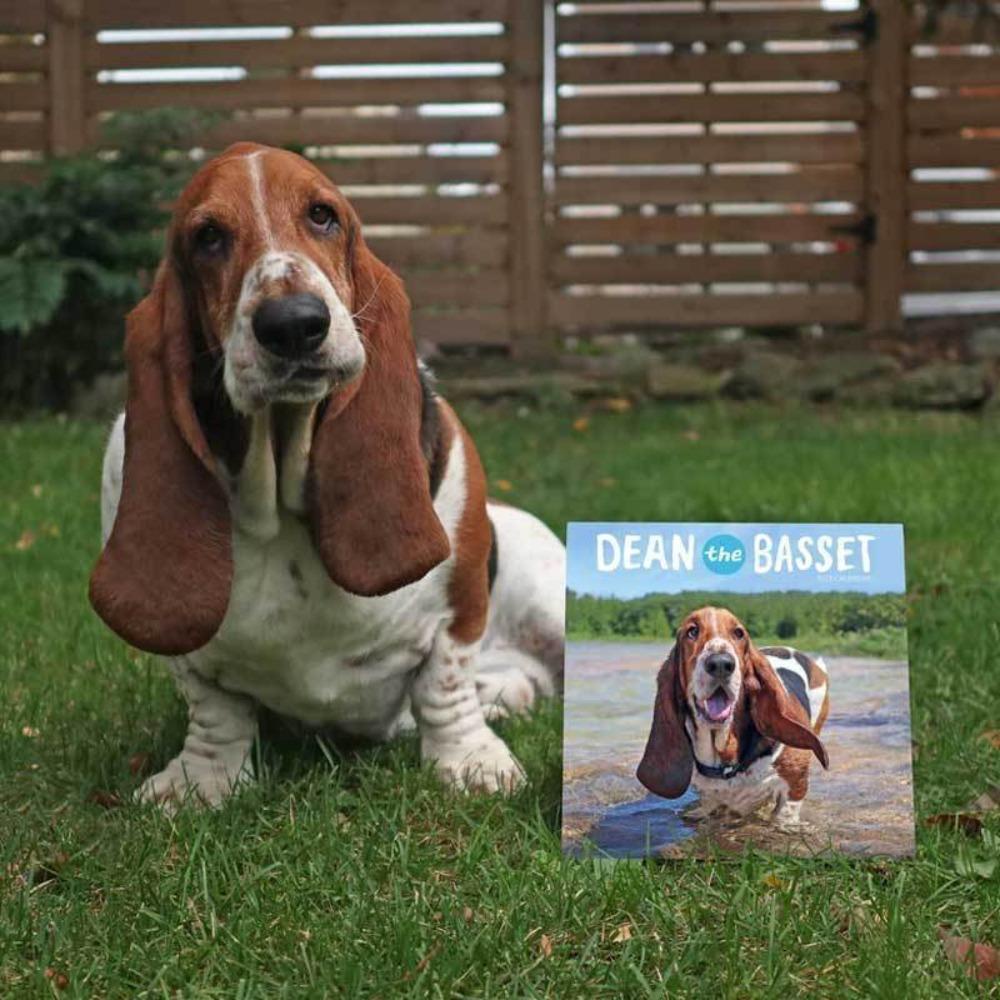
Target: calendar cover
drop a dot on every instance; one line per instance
(736, 685)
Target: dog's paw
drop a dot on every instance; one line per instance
(192, 781)
(481, 763)
(504, 693)
(787, 817)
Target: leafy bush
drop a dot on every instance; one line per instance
(77, 249)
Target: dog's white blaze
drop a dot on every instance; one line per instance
(257, 194)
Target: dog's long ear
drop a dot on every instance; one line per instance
(163, 580)
(773, 711)
(368, 496)
(665, 768)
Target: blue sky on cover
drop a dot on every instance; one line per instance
(886, 572)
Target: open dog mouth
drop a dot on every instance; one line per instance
(717, 707)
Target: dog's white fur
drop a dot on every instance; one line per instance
(295, 642)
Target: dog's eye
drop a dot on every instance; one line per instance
(323, 217)
(738, 633)
(209, 238)
(692, 631)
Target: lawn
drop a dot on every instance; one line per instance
(353, 874)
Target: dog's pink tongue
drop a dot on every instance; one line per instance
(717, 706)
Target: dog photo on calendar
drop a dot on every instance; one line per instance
(730, 686)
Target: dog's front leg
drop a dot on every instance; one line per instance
(216, 754)
(466, 753)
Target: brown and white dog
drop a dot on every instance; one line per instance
(737, 722)
(293, 516)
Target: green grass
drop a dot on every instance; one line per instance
(354, 875)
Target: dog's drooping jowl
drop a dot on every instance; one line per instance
(739, 723)
(292, 514)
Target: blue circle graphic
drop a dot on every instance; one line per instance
(724, 554)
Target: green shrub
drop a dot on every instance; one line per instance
(77, 249)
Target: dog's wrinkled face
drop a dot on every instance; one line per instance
(714, 654)
(264, 240)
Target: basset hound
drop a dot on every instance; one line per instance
(293, 516)
(737, 722)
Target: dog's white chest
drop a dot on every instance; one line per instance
(742, 793)
(304, 647)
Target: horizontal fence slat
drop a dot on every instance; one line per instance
(484, 248)
(22, 135)
(930, 151)
(665, 229)
(739, 67)
(684, 108)
(486, 288)
(678, 269)
(293, 92)
(956, 195)
(289, 53)
(19, 16)
(23, 58)
(959, 277)
(954, 71)
(370, 130)
(818, 185)
(414, 169)
(954, 236)
(474, 327)
(700, 26)
(381, 210)
(777, 148)
(954, 112)
(24, 96)
(197, 13)
(953, 29)
(710, 310)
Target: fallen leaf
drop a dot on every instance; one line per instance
(970, 868)
(423, 963)
(138, 764)
(52, 530)
(992, 737)
(545, 945)
(36, 490)
(969, 823)
(691, 436)
(504, 485)
(26, 540)
(623, 934)
(981, 960)
(608, 481)
(581, 424)
(30, 732)
(106, 800)
(617, 404)
(773, 882)
(468, 915)
(988, 801)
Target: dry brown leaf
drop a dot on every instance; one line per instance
(106, 800)
(969, 823)
(992, 737)
(581, 424)
(773, 882)
(607, 481)
(26, 540)
(617, 404)
(468, 915)
(545, 945)
(691, 436)
(138, 764)
(623, 934)
(30, 732)
(981, 960)
(36, 490)
(988, 801)
(504, 485)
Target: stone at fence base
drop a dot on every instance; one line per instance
(945, 385)
(984, 343)
(102, 399)
(766, 375)
(684, 382)
(829, 377)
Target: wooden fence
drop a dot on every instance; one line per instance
(752, 162)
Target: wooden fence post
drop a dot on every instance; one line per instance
(67, 119)
(887, 166)
(529, 331)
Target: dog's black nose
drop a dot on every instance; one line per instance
(292, 326)
(720, 666)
